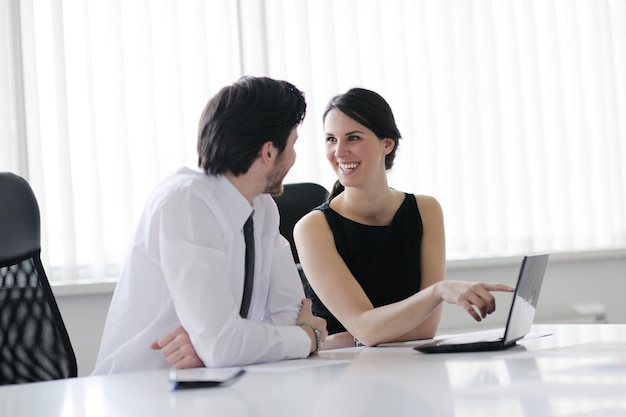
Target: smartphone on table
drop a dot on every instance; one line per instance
(204, 377)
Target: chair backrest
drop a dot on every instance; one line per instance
(34, 343)
(297, 200)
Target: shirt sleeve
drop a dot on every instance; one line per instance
(286, 290)
(195, 243)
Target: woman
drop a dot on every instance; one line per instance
(375, 257)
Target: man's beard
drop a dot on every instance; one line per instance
(275, 179)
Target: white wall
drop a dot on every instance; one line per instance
(571, 281)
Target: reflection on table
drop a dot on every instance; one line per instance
(577, 370)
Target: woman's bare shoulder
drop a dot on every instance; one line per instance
(427, 201)
(428, 206)
(312, 221)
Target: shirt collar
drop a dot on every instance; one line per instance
(239, 207)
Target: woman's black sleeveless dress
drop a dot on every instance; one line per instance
(385, 260)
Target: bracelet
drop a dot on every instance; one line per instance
(318, 337)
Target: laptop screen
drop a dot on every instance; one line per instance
(525, 298)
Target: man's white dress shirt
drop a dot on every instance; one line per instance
(186, 267)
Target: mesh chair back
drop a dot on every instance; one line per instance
(34, 343)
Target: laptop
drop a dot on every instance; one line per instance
(519, 322)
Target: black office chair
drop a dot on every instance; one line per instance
(297, 200)
(34, 343)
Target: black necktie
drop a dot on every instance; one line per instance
(248, 235)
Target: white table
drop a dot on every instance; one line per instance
(579, 370)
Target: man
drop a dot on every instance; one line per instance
(186, 265)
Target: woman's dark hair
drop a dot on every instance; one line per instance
(239, 119)
(372, 111)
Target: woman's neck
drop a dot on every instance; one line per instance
(374, 206)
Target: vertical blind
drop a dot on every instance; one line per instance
(511, 111)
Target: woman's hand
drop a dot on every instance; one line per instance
(339, 340)
(471, 296)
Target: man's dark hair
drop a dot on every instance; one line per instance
(239, 119)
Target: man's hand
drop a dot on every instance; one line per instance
(177, 349)
(306, 317)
